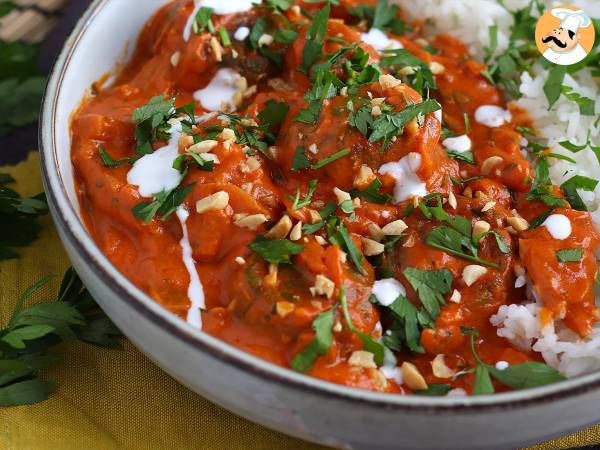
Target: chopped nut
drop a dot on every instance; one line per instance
(284, 308)
(468, 192)
(247, 187)
(341, 196)
(440, 369)
(185, 140)
(472, 273)
(323, 286)
(313, 148)
(394, 228)
(406, 71)
(250, 165)
(371, 247)
(296, 10)
(320, 240)
(214, 202)
(265, 40)
(281, 229)
(344, 91)
(216, 48)
(315, 217)
(376, 111)
(296, 232)
(518, 223)
(412, 377)
(271, 278)
(252, 222)
(361, 358)
(436, 68)
(412, 127)
(272, 150)
(241, 261)
(175, 58)
(488, 206)
(377, 101)
(489, 164)
(227, 135)
(365, 176)
(452, 200)
(455, 297)
(203, 146)
(479, 227)
(422, 42)
(337, 326)
(380, 382)
(376, 232)
(388, 81)
(250, 91)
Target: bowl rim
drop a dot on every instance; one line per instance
(67, 220)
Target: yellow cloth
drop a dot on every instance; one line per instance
(112, 399)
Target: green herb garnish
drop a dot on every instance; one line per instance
(275, 251)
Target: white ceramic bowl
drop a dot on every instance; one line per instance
(257, 390)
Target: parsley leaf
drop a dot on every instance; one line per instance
(372, 193)
(298, 203)
(108, 161)
(275, 251)
(164, 204)
(322, 326)
(274, 113)
(151, 120)
(421, 79)
(553, 84)
(313, 48)
(569, 255)
(570, 187)
(18, 224)
(300, 161)
(33, 330)
(349, 247)
(430, 285)
(331, 158)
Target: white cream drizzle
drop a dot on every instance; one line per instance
(154, 173)
(387, 290)
(241, 33)
(458, 144)
(379, 40)
(408, 183)
(492, 116)
(221, 89)
(220, 7)
(195, 291)
(559, 226)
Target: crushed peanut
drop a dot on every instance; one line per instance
(203, 146)
(489, 164)
(341, 196)
(323, 286)
(281, 229)
(284, 308)
(361, 358)
(214, 202)
(440, 369)
(394, 228)
(412, 377)
(518, 223)
(296, 232)
(472, 273)
(371, 247)
(455, 297)
(250, 221)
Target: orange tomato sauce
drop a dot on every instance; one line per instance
(269, 311)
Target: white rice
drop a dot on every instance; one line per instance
(560, 347)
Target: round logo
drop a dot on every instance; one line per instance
(565, 35)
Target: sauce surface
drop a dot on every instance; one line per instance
(387, 208)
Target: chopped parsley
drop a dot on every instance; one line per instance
(152, 123)
(372, 193)
(301, 203)
(422, 80)
(542, 188)
(313, 49)
(331, 158)
(569, 188)
(516, 376)
(322, 326)
(430, 285)
(203, 21)
(108, 161)
(275, 251)
(389, 124)
(569, 255)
(164, 204)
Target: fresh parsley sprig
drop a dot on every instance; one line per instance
(18, 218)
(322, 326)
(33, 330)
(516, 376)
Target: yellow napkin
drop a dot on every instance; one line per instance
(117, 399)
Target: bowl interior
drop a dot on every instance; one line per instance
(104, 38)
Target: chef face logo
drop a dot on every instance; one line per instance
(565, 35)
